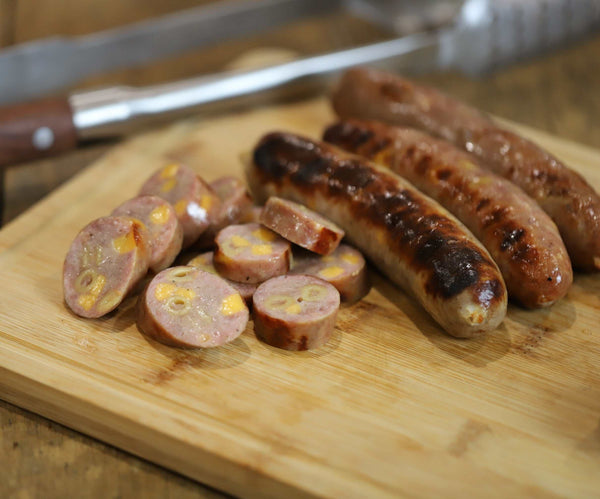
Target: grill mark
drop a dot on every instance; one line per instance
(348, 134)
(443, 174)
(482, 204)
(397, 92)
(496, 216)
(431, 242)
(511, 237)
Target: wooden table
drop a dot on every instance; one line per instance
(557, 93)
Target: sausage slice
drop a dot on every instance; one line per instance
(295, 312)
(235, 200)
(195, 203)
(204, 261)
(345, 269)
(187, 307)
(234, 196)
(251, 253)
(105, 261)
(300, 225)
(164, 231)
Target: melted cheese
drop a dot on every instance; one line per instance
(159, 215)
(232, 304)
(125, 243)
(262, 249)
(169, 171)
(331, 272)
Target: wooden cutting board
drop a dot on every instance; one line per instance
(390, 406)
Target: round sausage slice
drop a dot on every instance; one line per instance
(235, 200)
(295, 312)
(164, 230)
(187, 307)
(251, 253)
(105, 261)
(300, 225)
(234, 196)
(345, 269)
(204, 261)
(195, 203)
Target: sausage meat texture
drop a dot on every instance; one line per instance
(302, 226)
(105, 261)
(417, 243)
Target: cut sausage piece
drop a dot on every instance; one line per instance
(187, 307)
(295, 312)
(195, 203)
(105, 261)
(519, 235)
(562, 193)
(235, 200)
(251, 253)
(345, 269)
(205, 262)
(251, 215)
(411, 238)
(164, 230)
(234, 196)
(300, 225)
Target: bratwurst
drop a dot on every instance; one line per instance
(521, 238)
(411, 238)
(562, 193)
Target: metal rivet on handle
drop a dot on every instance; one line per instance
(43, 138)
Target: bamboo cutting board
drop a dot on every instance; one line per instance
(390, 406)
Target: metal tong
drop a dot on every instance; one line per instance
(472, 36)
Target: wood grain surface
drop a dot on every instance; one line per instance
(555, 93)
(390, 406)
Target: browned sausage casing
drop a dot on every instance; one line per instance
(521, 238)
(410, 237)
(562, 193)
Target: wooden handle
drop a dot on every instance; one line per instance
(35, 130)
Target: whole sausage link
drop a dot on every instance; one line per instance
(412, 239)
(561, 192)
(521, 238)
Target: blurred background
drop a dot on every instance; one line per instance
(557, 92)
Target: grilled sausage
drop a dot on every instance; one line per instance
(165, 234)
(295, 312)
(105, 261)
(521, 238)
(300, 225)
(187, 307)
(562, 193)
(410, 237)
